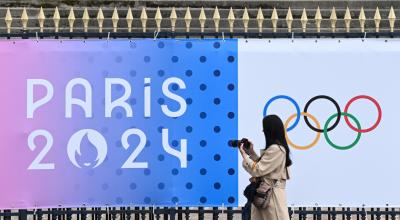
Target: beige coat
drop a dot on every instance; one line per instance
(271, 167)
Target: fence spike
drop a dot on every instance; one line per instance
(115, 19)
(289, 20)
(231, 19)
(377, 19)
(274, 19)
(202, 19)
(173, 17)
(347, 19)
(362, 19)
(143, 19)
(188, 19)
(392, 18)
(8, 19)
(245, 19)
(100, 19)
(71, 20)
(216, 18)
(24, 19)
(260, 19)
(85, 19)
(304, 20)
(318, 19)
(41, 18)
(158, 19)
(333, 19)
(56, 19)
(129, 19)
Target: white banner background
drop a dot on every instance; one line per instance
(366, 174)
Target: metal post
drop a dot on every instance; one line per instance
(187, 213)
(290, 212)
(363, 213)
(334, 213)
(165, 213)
(229, 213)
(172, 213)
(157, 212)
(143, 215)
(180, 214)
(22, 214)
(329, 213)
(372, 214)
(319, 214)
(215, 213)
(201, 213)
(7, 215)
(348, 214)
(151, 217)
(378, 215)
(136, 213)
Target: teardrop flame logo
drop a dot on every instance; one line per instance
(95, 138)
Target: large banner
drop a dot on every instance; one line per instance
(147, 122)
(117, 123)
(338, 99)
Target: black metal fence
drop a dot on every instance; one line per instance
(201, 213)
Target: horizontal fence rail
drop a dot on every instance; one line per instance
(205, 21)
(136, 213)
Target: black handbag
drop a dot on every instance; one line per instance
(251, 190)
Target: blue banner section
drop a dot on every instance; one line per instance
(209, 69)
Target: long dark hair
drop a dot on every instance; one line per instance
(274, 133)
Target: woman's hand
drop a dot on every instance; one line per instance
(249, 150)
(253, 179)
(242, 151)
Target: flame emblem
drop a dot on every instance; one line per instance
(95, 138)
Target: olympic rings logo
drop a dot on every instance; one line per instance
(326, 128)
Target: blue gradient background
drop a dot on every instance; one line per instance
(209, 69)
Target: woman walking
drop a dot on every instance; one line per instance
(271, 167)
